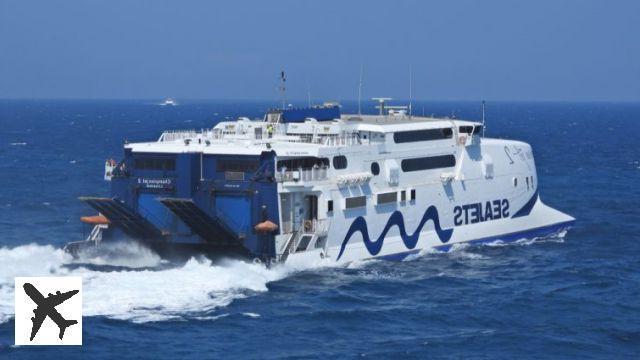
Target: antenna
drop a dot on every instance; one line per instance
(410, 89)
(483, 127)
(381, 101)
(309, 94)
(282, 88)
(360, 90)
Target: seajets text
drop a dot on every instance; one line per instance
(479, 212)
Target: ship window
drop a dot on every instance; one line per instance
(389, 197)
(321, 242)
(466, 129)
(375, 168)
(413, 194)
(477, 129)
(303, 162)
(403, 195)
(155, 164)
(304, 243)
(515, 182)
(355, 202)
(340, 162)
(237, 165)
(422, 135)
(330, 206)
(427, 163)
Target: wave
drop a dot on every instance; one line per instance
(461, 250)
(134, 291)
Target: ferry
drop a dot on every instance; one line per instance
(168, 102)
(311, 184)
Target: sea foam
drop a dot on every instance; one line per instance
(192, 289)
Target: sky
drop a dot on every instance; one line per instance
(542, 50)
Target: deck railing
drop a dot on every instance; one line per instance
(344, 139)
(303, 175)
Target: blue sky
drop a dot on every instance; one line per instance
(459, 50)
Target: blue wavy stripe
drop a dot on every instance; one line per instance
(526, 209)
(396, 219)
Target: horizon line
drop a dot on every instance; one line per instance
(305, 101)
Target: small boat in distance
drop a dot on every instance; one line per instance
(168, 102)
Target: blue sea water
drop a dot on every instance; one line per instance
(576, 296)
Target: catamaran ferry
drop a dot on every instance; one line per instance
(309, 184)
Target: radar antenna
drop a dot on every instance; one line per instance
(410, 89)
(381, 101)
(283, 89)
(360, 90)
(483, 127)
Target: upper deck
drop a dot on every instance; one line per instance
(309, 137)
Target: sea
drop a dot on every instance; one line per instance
(575, 295)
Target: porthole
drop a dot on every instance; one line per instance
(375, 168)
(340, 162)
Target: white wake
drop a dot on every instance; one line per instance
(143, 294)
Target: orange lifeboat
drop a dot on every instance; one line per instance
(266, 227)
(95, 220)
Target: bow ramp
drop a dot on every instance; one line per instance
(122, 216)
(211, 230)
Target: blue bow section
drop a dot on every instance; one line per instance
(396, 219)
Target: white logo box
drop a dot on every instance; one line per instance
(70, 309)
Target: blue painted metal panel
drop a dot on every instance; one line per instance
(235, 210)
(154, 211)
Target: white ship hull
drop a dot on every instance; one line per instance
(311, 185)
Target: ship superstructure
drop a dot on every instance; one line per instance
(307, 184)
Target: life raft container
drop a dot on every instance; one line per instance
(95, 220)
(266, 227)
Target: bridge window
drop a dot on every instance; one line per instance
(375, 168)
(390, 197)
(422, 135)
(155, 164)
(477, 129)
(355, 202)
(427, 163)
(340, 162)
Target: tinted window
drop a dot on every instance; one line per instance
(426, 163)
(466, 129)
(305, 163)
(413, 194)
(354, 202)
(330, 206)
(375, 168)
(155, 164)
(478, 129)
(340, 162)
(422, 135)
(304, 242)
(389, 197)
